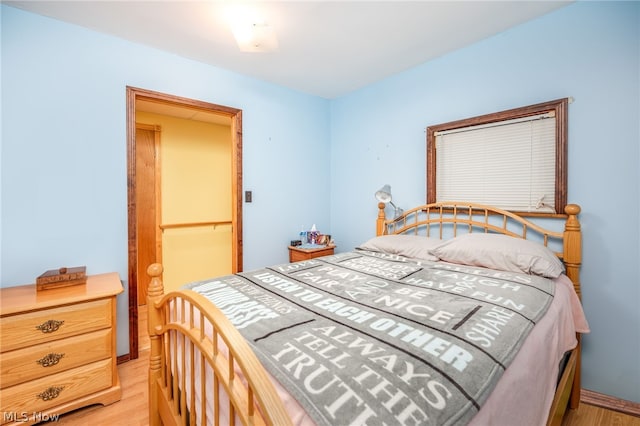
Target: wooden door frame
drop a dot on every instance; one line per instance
(134, 94)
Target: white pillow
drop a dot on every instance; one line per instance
(412, 246)
(502, 252)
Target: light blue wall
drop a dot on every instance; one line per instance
(64, 156)
(63, 138)
(589, 51)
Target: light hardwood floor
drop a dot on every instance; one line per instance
(132, 408)
(590, 415)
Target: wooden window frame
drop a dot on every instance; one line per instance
(559, 107)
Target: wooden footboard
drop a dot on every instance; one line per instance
(201, 369)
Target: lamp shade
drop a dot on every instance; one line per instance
(384, 194)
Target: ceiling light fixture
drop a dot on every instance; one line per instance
(252, 33)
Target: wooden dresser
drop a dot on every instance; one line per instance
(58, 349)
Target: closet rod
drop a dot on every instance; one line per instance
(193, 224)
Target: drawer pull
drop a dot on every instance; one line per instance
(49, 326)
(51, 393)
(50, 360)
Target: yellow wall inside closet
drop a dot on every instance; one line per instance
(195, 170)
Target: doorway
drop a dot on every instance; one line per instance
(145, 225)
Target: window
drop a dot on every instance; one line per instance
(514, 159)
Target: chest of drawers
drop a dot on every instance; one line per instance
(58, 349)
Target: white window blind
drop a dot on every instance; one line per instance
(510, 164)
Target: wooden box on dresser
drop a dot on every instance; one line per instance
(58, 349)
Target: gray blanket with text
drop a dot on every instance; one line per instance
(369, 338)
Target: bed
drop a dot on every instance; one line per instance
(389, 333)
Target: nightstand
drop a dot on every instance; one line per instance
(297, 254)
(58, 348)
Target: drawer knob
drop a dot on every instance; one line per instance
(51, 393)
(49, 326)
(50, 360)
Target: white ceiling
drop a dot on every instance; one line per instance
(325, 48)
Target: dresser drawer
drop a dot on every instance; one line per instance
(31, 328)
(50, 391)
(49, 358)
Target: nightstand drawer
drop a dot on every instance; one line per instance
(49, 358)
(31, 328)
(297, 254)
(47, 392)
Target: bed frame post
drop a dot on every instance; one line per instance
(572, 254)
(380, 222)
(573, 259)
(155, 319)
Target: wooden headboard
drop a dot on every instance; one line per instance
(448, 219)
